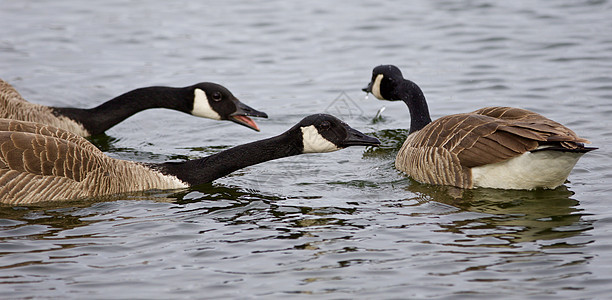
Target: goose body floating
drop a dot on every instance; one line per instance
(205, 99)
(44, 163)
(493, 147)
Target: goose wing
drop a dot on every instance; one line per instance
(9, 94)
(443, 151)
(36, 167)
(44, 163)
(557, 132)
(13, 106)
(46, 130)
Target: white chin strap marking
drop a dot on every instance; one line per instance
(316, 143)
(376, 87)
(201, 107)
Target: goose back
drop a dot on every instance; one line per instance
(445, 151)
(14, 106)
(43, 162)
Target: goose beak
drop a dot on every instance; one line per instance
(368, 89)
(356, 138)
(242, 113)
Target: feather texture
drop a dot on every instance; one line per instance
(498, 147)
(40, 162)
(453, 144)
(14, 106)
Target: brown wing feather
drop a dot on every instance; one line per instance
(14, 106)
(431, 165)
(485, 136)
(46, 130)
(36, 167)
(8, 93)
(43, 155)
(537, 121)
(44, 163)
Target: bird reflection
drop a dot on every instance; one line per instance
(511, 215)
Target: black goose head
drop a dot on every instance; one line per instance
(386, 80)
(213, 101)
(325, 133)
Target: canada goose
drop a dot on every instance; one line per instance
(494, 147)
(44, 163)
(208, 100)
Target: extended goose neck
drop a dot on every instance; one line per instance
(99, 119)
(412, 95)
(207, 169)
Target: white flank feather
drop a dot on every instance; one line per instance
(540, 169)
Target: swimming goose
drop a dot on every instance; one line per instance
(44, 163)
(493, 147)
(208, 100)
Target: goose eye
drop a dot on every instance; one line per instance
(217, 96)
(325, 125)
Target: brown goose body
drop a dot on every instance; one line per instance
(14, 106)
(205, 99)
(44, 163)
(494, 147)
(454, 149)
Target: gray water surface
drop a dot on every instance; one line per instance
(337, 225)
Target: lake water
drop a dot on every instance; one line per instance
(334, 226)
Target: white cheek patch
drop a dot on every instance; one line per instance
(201, 107)
(376, 87)
(316, 143)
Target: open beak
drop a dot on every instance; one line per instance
(356, 138)
(242, 113)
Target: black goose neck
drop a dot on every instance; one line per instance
(413, 96)
(207, 169)
(99, 119)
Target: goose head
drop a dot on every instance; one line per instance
(325, 133)
(388, 83)
(213, 101)
(385, 81)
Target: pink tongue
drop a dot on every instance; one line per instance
(247, 120)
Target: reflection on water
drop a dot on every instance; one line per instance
(104, 142)
(510, 216)
(391, 141)
(224, 228)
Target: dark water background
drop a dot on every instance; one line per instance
(336, 225)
